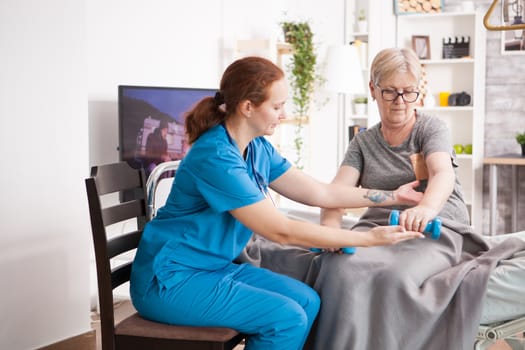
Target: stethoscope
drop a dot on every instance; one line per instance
(259, 180)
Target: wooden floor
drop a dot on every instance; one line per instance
(124, 308)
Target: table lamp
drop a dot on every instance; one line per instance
(343, 75)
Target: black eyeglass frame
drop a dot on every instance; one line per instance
(402, 94)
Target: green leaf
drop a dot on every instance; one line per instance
(303, 74)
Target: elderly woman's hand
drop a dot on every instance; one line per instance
(416, 218)
(406, 194)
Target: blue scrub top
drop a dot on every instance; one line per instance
(194, 229)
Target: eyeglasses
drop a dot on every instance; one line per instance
(391, 95)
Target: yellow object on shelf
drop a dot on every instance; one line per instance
(443, 98)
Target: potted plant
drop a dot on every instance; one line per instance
(302, 78)
(289, 29)
(362, 23)
(360, 104)
(520, 138)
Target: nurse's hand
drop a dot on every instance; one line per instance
(407, 195)
(388, 235)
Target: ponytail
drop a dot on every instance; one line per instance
(248, 78)
(205, 115)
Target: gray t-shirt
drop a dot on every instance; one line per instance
(384, 167)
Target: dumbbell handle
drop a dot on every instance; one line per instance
(433, 227)
(346, 250)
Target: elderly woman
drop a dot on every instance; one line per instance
(421, 294)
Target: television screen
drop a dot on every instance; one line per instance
(151, 123)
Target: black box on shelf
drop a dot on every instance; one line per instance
(456, 47)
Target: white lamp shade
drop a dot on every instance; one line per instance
(343, 71)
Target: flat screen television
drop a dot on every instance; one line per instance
(151, 123)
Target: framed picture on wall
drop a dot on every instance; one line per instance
(421, 45)
(513, 13)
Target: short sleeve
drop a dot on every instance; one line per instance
(278, 164)
(354, 155)
(224, 183)
(434, 136)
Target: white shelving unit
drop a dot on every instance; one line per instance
(359, 36)
(380, 33)
(466, 123)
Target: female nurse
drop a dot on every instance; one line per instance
(184, 273)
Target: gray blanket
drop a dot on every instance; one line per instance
(419, 294)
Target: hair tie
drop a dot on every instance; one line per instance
(219, 98)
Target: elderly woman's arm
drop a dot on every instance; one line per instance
(440, 185)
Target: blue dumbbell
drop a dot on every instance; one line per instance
(433, 227)
(347, 250)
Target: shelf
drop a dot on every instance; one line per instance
(465, 123)
(358, 116)
(284, 48)
(294, 121)
(449, 61)
(422, 16)
(447, 109)
(464, 156)
(360, 35)
(451, 25)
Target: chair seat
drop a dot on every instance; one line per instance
(135, 325)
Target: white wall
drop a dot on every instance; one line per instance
(44, 227)
(60, 64)
(162, 43)
(159, 43)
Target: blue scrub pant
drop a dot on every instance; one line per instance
(276, 311)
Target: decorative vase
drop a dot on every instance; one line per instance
(289, 30)
(288, 37)
(360, 109)
(429, 100)
(523, 149)
(362, 26)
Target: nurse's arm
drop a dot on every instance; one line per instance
(262, 217)
(347, 176)
(300, 187)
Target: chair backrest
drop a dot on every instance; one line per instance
(130, 185)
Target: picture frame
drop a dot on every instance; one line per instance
(512, 41)
(421, 46)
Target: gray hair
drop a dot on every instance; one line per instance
(395, 60)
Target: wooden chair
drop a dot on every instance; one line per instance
(134, 332)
